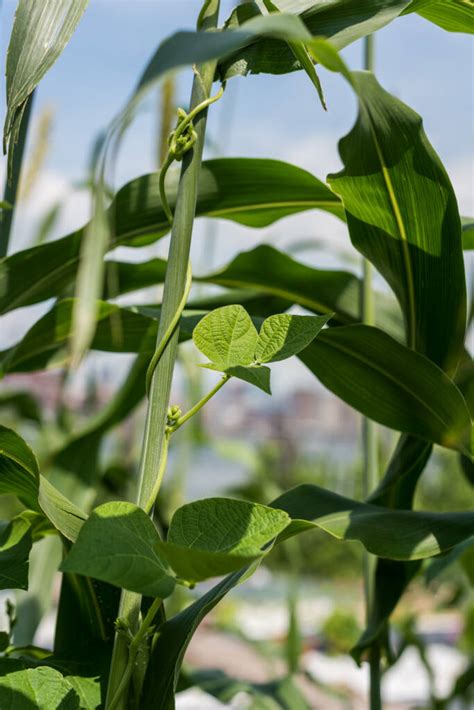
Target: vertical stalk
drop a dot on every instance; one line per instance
(12, 182)
(369, 441)
(160, 387)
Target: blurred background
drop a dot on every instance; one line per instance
(246, 443)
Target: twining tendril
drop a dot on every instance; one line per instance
(180, 141)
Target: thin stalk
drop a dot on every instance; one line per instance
(11, 184)
(160, 384)
(199, 405)
(369, 442)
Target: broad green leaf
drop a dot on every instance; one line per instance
(270, 271)
(340, 21)
(215, 536)
(40, 688)
(249, 191)
(19, 473)
(117, 544)
(467, 233)
(451, 15)
(402, 216)
(284, 335)
(227, 337)
(15, 546)
(66, 517)
(40, 33)
(257, 376)
(391, 384)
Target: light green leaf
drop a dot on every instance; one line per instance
(117, 544)
(391, 384)
(19, 473)
(40, 33)
(249, 191)
(40, 688)
(66, 517)
(227, 337)
(257, 376)
(451, 15)
(284, 335)
(402, 215)
(215, 536)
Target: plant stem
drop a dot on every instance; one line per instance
(11, 184)
(133, 649)
(160, 384)
(201, 403)
(369, 439)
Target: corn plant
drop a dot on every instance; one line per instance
(405, 366)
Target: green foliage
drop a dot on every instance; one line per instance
(340, 631)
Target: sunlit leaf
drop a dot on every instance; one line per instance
(227, 337)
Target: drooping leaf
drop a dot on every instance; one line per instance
(117, 544)
(402, 216)
(391, 384)
(284, 335)
(66, 517)
(253, 192)
(451, 15)
(227, 337)
(19, 473)
(41, 688)
(40, 33)
(215, 536)
(336, 20)
(268, 270)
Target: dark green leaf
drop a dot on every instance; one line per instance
(117, 544)
(250, 191)
(402, 216)
(257, 376)
(23, 404)
(391, 384)
(66, 517)
(19, 473)
(15, 546)
(215, 536)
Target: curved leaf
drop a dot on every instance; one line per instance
(249, 191)
(402, 216)
(19, 473)
(451, 15)
(117, 544)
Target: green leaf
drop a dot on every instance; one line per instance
(40, 688)
(66, 517)
(227, 337)
(15, 546)
(451, 15)
(337, 20)
(284, 335)
(402, 216)
(467, 233)
(390, 384)
(117, 544)
(392, 534)
(40, 33)
(19, 473)
(250, 191)
(215, 536)
(257, 376)
(270, 271)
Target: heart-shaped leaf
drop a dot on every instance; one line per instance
(284, 335)
(216, 536)
(117, 544)
(227, 337)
